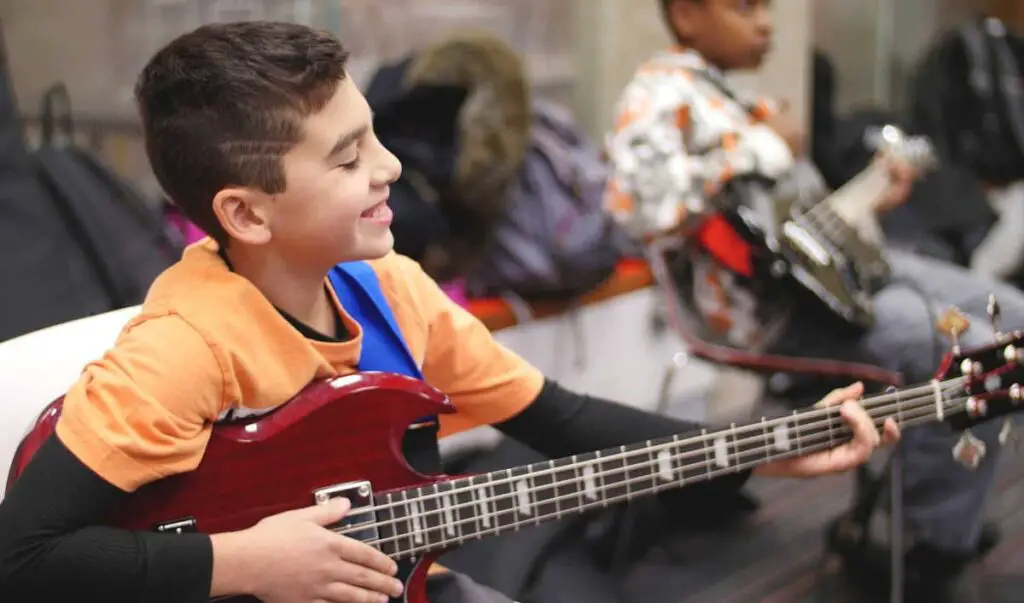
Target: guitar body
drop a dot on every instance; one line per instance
(341, 438)
(799, 255)
(832, 247)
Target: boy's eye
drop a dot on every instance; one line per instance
(352, 164)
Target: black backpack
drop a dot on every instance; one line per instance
(122, 236)
(44, 277)
(995, 81)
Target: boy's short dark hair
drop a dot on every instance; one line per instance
(222, 104)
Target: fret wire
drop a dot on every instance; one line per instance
(831, 442)
(764, 434)
(796, 428)
(899, 407)
(576, 471)
(811, 447)
(672, 467)
(674, 441)
(655, 464)
(625, 468)
(707, 453)
(531, 487)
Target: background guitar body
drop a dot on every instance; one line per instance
(832, 247)
(335, 437)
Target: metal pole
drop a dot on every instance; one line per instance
(896, 526)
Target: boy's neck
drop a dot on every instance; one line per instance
(301, 295)
(683, 48)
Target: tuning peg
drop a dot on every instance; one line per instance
(952, 325)
(969, 450)
(994, 313)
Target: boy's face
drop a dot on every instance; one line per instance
(334, 207)
(730, 34)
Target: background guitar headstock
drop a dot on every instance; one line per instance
(994, 373)
(915, 150)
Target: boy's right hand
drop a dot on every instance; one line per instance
(294, 559)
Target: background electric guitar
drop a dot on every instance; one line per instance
(342, 438)
(831, 247)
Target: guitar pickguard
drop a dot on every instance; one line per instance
(824, 270)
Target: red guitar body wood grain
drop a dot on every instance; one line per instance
(344, 430)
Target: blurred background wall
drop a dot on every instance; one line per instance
(580, 52)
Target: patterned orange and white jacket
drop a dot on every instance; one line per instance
(680, 133)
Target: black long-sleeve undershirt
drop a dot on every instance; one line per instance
(52, 549)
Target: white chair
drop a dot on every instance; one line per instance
(38, 367)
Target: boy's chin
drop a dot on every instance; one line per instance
(372, 249)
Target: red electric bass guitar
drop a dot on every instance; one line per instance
(342, 437)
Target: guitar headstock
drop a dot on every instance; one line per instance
(994, 372)
(917, 151)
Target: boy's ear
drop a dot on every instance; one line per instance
(242, 212)
(681, 14)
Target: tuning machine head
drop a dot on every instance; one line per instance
(988, 380)
(918, 151)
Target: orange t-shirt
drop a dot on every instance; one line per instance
(208, 342)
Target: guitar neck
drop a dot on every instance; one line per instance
(852, 207)
(431, 518)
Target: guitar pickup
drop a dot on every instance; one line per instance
(359, 522)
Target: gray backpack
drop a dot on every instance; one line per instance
(556, 239)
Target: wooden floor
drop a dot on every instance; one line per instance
(776, 555)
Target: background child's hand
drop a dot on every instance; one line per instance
(902, 176)
(292, 558)
(844, 457)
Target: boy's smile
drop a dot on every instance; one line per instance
(379, 214)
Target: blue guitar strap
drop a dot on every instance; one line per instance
(384, 349)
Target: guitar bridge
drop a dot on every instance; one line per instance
(360, 521)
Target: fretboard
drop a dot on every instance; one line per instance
(831, 225)
(849, 210)
(414, 521)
